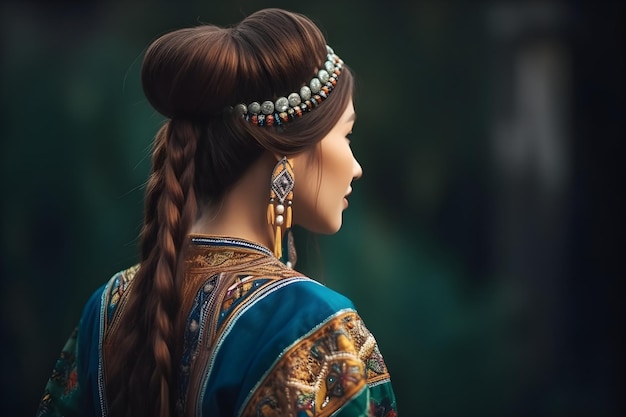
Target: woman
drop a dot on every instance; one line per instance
(211, 322)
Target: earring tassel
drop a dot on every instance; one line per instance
(270, 214)
(288, 217)
(278, 243)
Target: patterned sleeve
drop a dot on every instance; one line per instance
(69, 391)
(62, 392)
(335, 369)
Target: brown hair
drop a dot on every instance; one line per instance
(190, 76)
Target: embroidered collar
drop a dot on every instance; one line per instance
(229, 242)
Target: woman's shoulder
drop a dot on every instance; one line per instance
(298, 295)
(103, 302)
(318, 346)
(269, 290)
(307, 290)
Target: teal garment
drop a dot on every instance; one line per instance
(76, 384)
(260, 339)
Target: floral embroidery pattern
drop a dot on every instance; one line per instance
(321, 372)
(383, 409)
(61, 392)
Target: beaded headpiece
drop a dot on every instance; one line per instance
(285, 109)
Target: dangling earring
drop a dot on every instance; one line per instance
(279, 210)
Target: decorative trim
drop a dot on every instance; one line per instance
(229, 242)
(104, 298)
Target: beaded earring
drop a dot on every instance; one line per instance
(279, 208)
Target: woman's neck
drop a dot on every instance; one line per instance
(242, 211)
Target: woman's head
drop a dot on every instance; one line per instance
(194, 74)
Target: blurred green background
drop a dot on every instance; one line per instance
(482, 246)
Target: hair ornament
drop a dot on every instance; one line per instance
(286, 109)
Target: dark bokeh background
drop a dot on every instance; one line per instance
(483, 246)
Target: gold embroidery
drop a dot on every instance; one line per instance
(117, 299)
(212, 259)
(321, 373)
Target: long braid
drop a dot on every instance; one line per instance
(170, 209)
(175, 213)
(154, 186)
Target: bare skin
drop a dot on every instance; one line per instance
(242, 212)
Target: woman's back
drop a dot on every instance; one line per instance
(257, 338)
(212, 322)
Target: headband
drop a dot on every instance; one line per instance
(285, 109)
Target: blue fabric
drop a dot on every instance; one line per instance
(261, 335)
(89, 355)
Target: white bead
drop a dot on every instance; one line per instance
(280, 209)
(254, 107)
(267, 107)
(323, 76)
(305, 93)
(281, 105)
(294, 99)
(315, 85)
(279, 220)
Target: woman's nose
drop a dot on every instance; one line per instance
(357, 171)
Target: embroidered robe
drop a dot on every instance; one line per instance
(260, 340)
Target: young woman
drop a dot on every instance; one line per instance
(212, 322)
